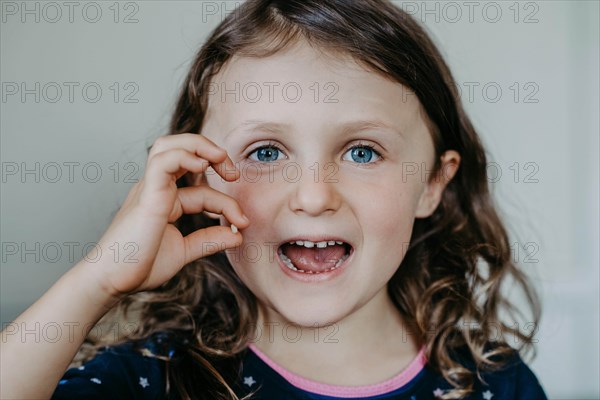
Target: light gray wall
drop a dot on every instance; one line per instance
(549, 49)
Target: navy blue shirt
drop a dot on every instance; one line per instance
(122, 372)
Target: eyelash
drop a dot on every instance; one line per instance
(358, 145)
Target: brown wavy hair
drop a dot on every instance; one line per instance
(448, 287)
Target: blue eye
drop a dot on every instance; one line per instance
(266, 153)
(362, 154)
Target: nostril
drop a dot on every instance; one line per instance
(315, 199)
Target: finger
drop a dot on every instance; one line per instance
(191, 142)
(204, 198)
(165, 167)
(227, 170)
(202, 147)
(207, 241)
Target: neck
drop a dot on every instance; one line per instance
(368, 346)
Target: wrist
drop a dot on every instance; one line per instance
(95, 286)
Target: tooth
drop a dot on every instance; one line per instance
(308, 244)
(331, 242)
(340, 261)
(338, 242)
(299, 242)
(288, 262)
(234, 228)
(292, 242)
(321, 245)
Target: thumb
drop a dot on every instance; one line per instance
(211, 240)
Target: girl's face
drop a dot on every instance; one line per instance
(327, 150)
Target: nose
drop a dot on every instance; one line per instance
(315, 193)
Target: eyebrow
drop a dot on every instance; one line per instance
(277, 128)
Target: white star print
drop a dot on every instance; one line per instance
(96, 380)
(248, 380)
(438, 392)
(487, 395)
(144, 382)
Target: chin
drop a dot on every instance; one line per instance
(311, 316)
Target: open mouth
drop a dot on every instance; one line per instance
(309, 257)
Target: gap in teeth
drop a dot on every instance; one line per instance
(321, 245)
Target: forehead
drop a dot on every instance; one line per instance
(306, 86)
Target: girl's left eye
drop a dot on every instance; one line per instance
(266, 153)
(362, 154)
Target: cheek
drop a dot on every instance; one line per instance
(387, 212)
(393, 217)
(254, 198)
(249, 195)
(260, 201)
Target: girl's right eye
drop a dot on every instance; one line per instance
(266, 153)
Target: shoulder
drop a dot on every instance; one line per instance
(132, 370)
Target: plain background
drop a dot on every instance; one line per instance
(533, 68)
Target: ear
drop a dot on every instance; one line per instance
(431, 196)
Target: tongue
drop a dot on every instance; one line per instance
(313, 259)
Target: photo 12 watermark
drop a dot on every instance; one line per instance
(53, 331)
(72, 172)
(55, 12)
(453, 12)
(490, 92)
(70, 92)
(292, 333)
(53, 252)
(288, 92)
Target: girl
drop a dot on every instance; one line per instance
(317, 225)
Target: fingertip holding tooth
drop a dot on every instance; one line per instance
(234, 228)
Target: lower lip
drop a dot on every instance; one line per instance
(315, 278)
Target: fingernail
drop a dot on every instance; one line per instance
(234, 228)
(245, 217)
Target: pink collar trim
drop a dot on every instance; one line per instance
(396, 382)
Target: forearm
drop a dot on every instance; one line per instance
(39, 345)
